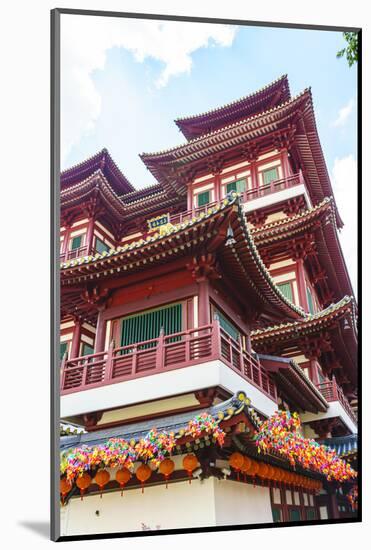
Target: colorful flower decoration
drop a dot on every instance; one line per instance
(281, 433)
(205, 423)
(153, 448)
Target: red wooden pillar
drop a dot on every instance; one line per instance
(248, 341)
(203, 302)
(100, 335)
(313, 369)
(66, 239)
(90, 235)
(302, 288)
(254, 175)
(217, 190)
(75, 346)
(190, 196)
(285, 163)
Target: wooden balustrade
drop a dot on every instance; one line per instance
(332, 392)
(76, 253)
(273, 187)
(163, 354)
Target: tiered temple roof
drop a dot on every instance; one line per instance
(333, 330)
(292, 122)
(328, 264)
(261, 100)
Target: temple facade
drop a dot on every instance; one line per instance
(197, 308)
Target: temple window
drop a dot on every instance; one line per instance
(147, 325)
(227, 326)
(269, 172)
(270, 175)
(310, 301)
(76, 242)
(63, 348)
(286, 289)
(101, 246)
(86, 349)
(203, 198)
(239, 186)
(288, 505)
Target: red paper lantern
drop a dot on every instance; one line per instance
(246, 466)
(65, 487)
(143, 473)
(166, 468)
(83, 483)
(263, 470)
(190, 463)
(102, 477)
(236, 460)
(122, 477)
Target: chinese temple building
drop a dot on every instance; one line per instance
(196, 314)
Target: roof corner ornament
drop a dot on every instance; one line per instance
(230, 240)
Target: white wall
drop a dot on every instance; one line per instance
(201, 504)
(241, 503)
(278, 196)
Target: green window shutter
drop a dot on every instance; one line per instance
(100, 246)
(231, 186)
(239, 186)
(294, 515)
(228, 326)
(147, 326)
(310, 301)
(87, 349)
(270, 175)
(76, 242)
(276, 512)
(203, 198)
(63, 349)
(286, 290)
(311, 514)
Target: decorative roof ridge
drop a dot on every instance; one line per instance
(233, 103)
(230, 126)
(69, 190)
(326, 201)
(309, 317)
(102, 154)
(222, 205)
(142, 190)
(85, 162)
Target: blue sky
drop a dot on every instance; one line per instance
(129, 95)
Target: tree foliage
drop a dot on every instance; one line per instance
(351, 50)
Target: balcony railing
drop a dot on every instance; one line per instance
(332, 392)
(273, 187)
(76, 253)
(163, 354)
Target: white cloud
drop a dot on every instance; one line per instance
(344, 180)
(344, 113)
(84, 45)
